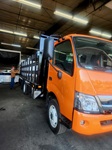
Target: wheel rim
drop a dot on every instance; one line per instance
(24, 88)
(32, 92)
(53, 116)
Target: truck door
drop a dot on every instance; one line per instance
(63, 61)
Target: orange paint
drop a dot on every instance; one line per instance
(92, 123)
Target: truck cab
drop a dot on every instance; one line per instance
(79, 85)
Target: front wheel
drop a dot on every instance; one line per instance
(54, 117)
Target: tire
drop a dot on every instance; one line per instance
(22, 84)
(54, 117)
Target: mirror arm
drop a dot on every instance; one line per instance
(59, 74)
(52, 66)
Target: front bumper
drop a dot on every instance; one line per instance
(89, 124)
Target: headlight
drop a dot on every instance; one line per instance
(86, 103)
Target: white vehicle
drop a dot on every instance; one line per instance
(8, 58)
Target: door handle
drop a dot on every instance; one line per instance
(50, 78)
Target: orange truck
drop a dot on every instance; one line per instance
(75, 75)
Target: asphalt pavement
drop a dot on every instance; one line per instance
(23, 126)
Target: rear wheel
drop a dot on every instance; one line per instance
(22, 84)
(54, 117)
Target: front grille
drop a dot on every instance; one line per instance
(106, 103)
(106, 122)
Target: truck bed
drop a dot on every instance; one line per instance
(29, 69)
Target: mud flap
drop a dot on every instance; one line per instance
(36, 94)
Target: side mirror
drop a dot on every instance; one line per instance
(49, 47)
(59, 74)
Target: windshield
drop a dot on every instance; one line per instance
(93, 54)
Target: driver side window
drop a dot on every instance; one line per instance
(63, 57)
